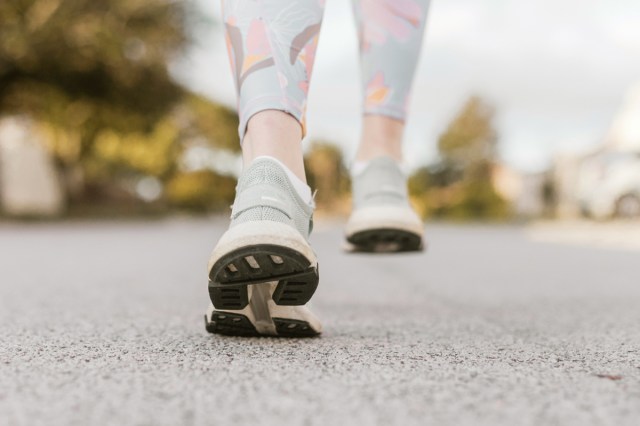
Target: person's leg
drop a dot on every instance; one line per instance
(390, 34)
(381, 136)
(276, 134)
(263, 270)
(271, 46)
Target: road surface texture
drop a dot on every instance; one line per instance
(101, 324)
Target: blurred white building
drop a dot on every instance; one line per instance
(525, 191)
(29, 182)
(624, 134)
(609, 172)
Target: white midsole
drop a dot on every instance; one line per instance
(262, 232)
(261, 308)
(300, 313)
(376, 217)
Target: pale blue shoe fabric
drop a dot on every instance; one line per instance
(264, 192)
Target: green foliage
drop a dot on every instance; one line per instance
(216, 123)
(150, 153)
(470, 139)
(200, 191)
(94, 75)
(460, 186)
(478, 200)
(96, 52)
(420, 181)
(326, 173)
(86, 66)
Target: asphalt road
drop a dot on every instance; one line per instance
(101, 323)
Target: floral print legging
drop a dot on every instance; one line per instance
(272, 46)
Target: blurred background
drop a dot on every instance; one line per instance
(525, 122)
(520, 110)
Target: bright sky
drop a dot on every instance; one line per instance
(555, 70)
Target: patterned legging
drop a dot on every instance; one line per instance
(272, 46)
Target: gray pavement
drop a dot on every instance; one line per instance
(101, 323)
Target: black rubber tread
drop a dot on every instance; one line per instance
(232, 273)
(233, 297)
(230, 324)
(287, 327)
(385, 240)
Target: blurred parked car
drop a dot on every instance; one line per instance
(609, 185)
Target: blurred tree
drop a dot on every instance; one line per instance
(90, 63)
(549, 195)
(421, 180)
(460, 185)
(217, 123)
(202, 190)
(469, 142)
(94, 73)
(327, 174)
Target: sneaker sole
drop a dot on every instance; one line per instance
(263, 317)
(262, 263)
(232, 324)
(385, 240)
(256, 253)
(384, 229)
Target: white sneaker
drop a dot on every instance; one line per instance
(263, 269)
(382, 219)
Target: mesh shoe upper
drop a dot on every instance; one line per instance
(382, 182)
(264, 192)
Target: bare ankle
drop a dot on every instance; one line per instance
(381, 136)
(275, 134)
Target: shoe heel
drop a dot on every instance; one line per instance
(259, 264)
(295, 291)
